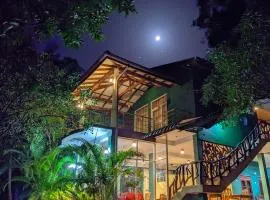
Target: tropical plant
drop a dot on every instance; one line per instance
(75, 172)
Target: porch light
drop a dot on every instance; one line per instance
(182, 151)
(256, 108)
(160, 158)
(112, 80)
(134, 144)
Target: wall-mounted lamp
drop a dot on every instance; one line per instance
(182, 151)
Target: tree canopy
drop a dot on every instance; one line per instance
(242, 73)
(36, 106)
(220, 17)
(69, 18)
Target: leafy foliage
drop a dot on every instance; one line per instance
(36, 107)
(92, 176)
(241, 75)
(69, 19)
(220, 17)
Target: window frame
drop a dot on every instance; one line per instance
(152, 117)
(135, 119)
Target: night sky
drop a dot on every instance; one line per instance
(134, 37)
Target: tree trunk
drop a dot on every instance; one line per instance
(9, 179)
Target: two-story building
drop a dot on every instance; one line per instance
(186, 152)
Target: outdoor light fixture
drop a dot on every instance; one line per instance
(72, 166)
(182, 151)
(255, 108)
(107, 151)
(80, 105)
(160, 158)
(111, 80)
(134, 144)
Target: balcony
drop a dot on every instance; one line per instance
(136, 123)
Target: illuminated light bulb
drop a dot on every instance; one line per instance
(160, 158)
(80, 106)
(107, 151)
(72, 166)
(255, 108)
(182, 151)
(111, 80)
(134, 144)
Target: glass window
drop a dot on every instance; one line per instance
(139, 184)
(159, 113)
(93, 135)
(142, 120)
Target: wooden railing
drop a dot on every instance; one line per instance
(185, 175)
(211, 151)
(211, 173)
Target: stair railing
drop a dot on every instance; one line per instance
(212, 172)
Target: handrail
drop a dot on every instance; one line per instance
(127, 120)
(211, 173)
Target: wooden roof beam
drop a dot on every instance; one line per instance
(150, 78)
(106, 76)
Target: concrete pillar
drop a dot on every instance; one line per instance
(264, 178)
(114, 112)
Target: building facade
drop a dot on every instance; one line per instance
(186, 152)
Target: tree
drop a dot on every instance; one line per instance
(241, 74)
(69, 19)
(35, 102)
(36, 106)
(220, 17)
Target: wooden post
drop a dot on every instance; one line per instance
(114, 112)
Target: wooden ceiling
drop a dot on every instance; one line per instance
(134, 81)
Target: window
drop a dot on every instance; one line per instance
(159, 113)
(246, 185)
(142, 120)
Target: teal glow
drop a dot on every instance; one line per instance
(251, 171)
(228, 135)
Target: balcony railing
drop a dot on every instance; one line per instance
(135, 122)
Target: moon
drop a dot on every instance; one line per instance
(157, 38)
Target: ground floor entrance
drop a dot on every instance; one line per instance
(156, 164)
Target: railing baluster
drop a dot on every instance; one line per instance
(192, 174)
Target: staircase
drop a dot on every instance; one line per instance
(215, 175)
